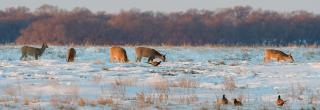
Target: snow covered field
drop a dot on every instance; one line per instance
(192, 78)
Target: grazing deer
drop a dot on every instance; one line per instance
(237, 102)
(118, 54)
(280, 101)
(276, 54)
(149, 53)
(36, 52)
(71, 55)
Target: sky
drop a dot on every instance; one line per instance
(115, 6)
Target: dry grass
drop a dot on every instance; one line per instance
(26, 101)
(189, 99)
(143, 100)
(120, 84)
(163, 97)
(229, 83)
(186, 83)
(297, 90)
(125, 81)
(109, 101)
(161, 85)
(11, 91)
(82, 102)
(93, 103)
(102, 101)
(313, 100)
(99, 62)
(105, 101)
(54, 101)
(97, 78)
(35, 100)
(15, 100)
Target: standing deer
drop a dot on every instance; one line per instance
(276, 54)
(71, 55)
(118, 54)
(36, 52)
(149, 53)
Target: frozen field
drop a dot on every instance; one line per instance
(192, 78)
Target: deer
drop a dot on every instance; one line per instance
(278, 55)
(71, 54)
(118, 54)
(149, 53)
(32, 51)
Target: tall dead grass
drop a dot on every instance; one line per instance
(120, 85)
(144, 100)
(186, 83)
(229, 83)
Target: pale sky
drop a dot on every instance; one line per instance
(114, 6)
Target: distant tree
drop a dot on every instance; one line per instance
(12, 21)
(240, 25)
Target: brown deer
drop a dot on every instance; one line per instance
(118, 54)
(71, 55)
(36, 52)
(276, 54)
(149, 53)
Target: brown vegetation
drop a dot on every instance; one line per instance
(240, 25)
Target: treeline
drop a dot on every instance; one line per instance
(231, 26)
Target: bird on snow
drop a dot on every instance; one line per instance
(280, 101)
(237, 102)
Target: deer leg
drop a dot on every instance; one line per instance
(265, 60)
(138, 59)
(68, 59)
(36, 57)
(22, 56)
(111, 60)
(118, 60)
(123, 60)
